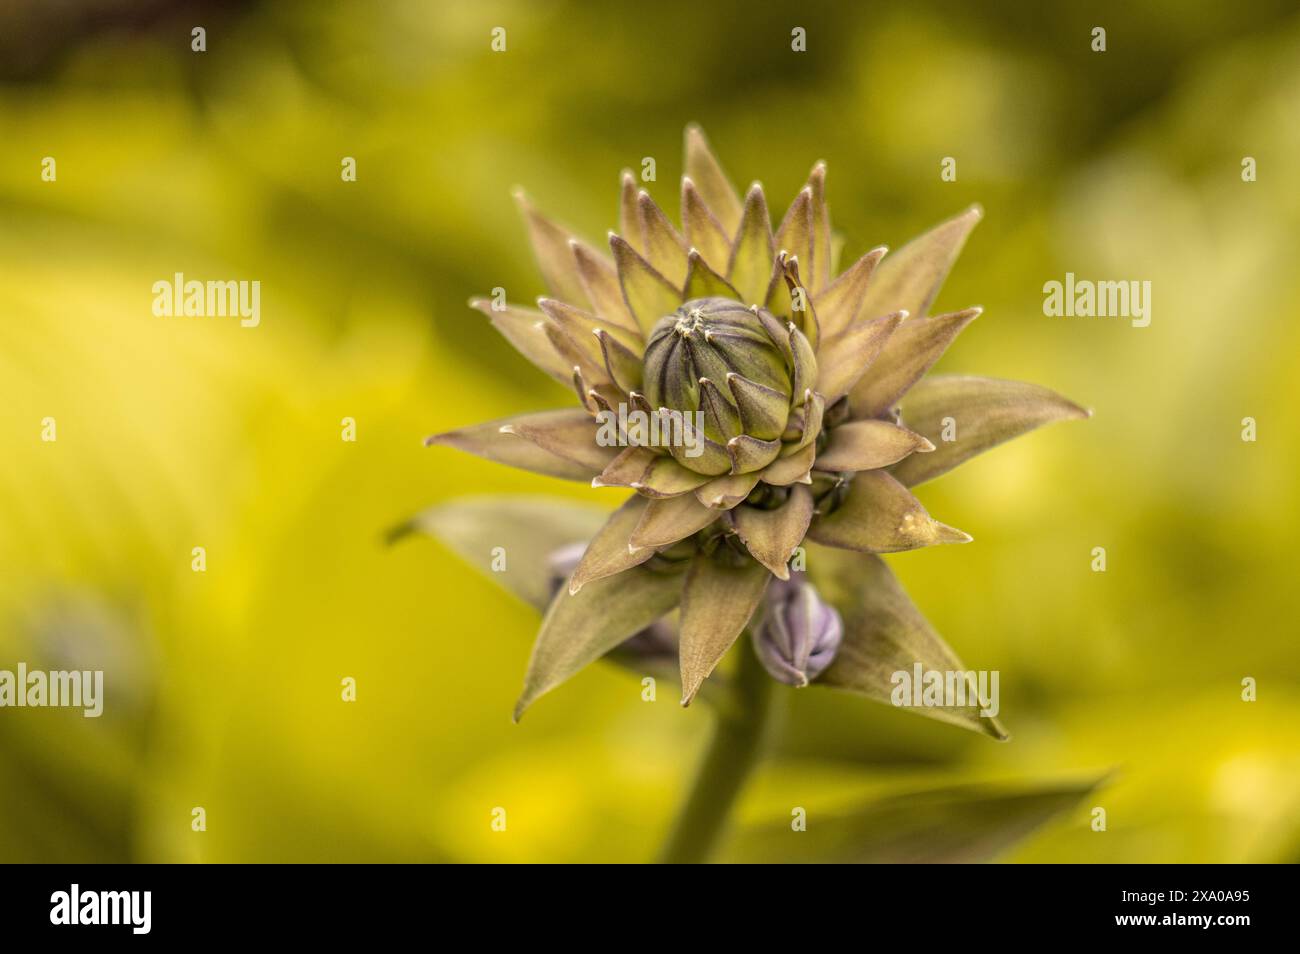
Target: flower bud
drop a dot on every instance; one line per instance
(799, 634)
(736, 371)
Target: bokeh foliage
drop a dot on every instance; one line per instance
(224, 686)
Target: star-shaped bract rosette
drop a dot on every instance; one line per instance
(799, 408)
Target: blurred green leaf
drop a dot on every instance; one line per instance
(528, 529)
(966, 823)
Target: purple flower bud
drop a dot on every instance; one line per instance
(563, 561)
(799, 634)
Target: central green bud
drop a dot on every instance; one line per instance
(741, 368)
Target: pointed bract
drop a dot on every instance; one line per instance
(879, 516)
(793, 469)
(665, 249)
(984, 412)
(648, 294)
(579, 629)
(867, 445)
(885, 634)
(772, 535)
(525, 329)
(838, 305)
(846, 360)
(795, 234)
(621, 363)
(559, 443)
(600, 281)
(820, 276)
(717, 601)
(750, 454)
(763, 411)
(667, 521)
(801, 308)
(723, 493)
(667, 478)
(702, 230)
(705, 171)
(703, 282)
(750, 268)
(627, 468)
(629, 215)
(581, 326)
(588, 368)
(910, 352)
(909, 279)
(607, 553)
(554, 257)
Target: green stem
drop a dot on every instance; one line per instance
(731, 754)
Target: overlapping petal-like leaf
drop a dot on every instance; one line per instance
(649, 295)
(600, 281)
(704, 232)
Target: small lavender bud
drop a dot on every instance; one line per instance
(799, 634)
(562, 561)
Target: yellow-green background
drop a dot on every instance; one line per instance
(224, 687)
